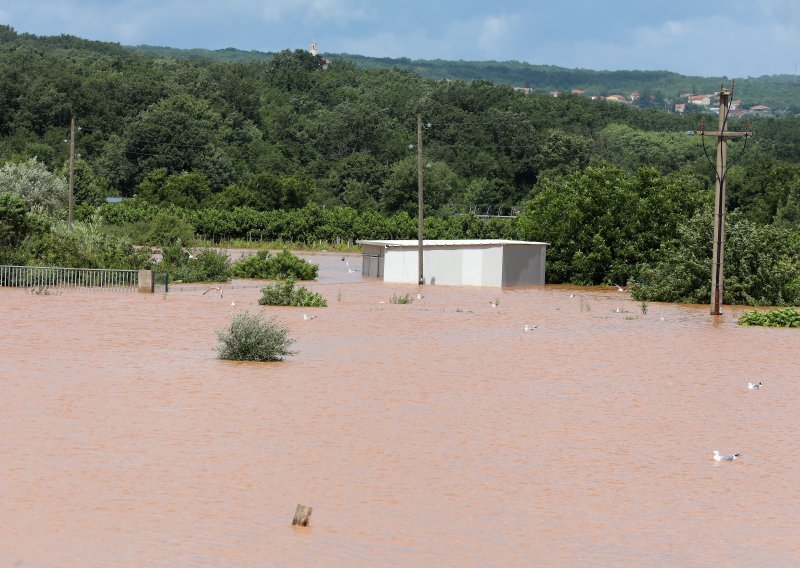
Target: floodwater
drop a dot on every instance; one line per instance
(432, 434)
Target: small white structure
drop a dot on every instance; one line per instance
(481, 262)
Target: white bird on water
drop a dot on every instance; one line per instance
(757, 385)
(308, 317)
(233, 303)
(572, 295)
(419, 296)
(529, 327)
(351, 270)
(720, 458)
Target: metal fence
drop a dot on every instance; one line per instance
(55, 277)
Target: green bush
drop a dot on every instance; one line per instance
(407, 299)
(285, 294)
(86, 245)
(165, 228)
(281, 266)
(196, 265)
(783, 317)
(253, 338)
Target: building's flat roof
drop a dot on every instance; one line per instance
(446, 242)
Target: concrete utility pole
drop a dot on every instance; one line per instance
(717, 262)
(71, 171)
(421, 279)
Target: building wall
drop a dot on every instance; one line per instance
(446, 265)
(372, 261)
(492, 269)
(523, 265)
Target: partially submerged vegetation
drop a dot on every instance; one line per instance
(254, 338)
(266, 266)
(782, 317)
(284, 293)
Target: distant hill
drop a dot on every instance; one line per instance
(780, 92)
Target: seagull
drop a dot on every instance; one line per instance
(618, 311)
(308, 317)
(757, 385)
(494, 304)
(214, 288)
(529, 327)
(720, 458)
(419, 296)
(619, 288)
(572, 295)
(661, 318)
(233, 303)
(351, 270)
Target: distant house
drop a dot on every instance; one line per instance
(634, 96)
(760, 109)
(704, 100)
(735, 104)
(597, 98)
(616, 98)
(526, 90)
(577, 92)
(680, 108)
(554, 93)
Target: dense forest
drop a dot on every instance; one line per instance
(292, 147)
(657, 89)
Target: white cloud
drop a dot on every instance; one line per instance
(496, 33)
(706, 46)
(336, 11)
(490, 37)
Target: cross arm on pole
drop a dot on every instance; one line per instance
(724, 135)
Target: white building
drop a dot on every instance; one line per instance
(484, 262)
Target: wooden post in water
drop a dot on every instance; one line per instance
(301, 515)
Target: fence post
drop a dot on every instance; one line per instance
(147, 281)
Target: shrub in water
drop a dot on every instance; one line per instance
(784, 317)
(281, 266)
(199, 265)
(253, 338)
(285, 294)
(401, 299)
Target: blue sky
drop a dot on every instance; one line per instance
(735, 38)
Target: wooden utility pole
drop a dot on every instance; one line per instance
(71, 171)
(421, 279)
(717, 261)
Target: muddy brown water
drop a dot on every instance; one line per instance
(432, 434)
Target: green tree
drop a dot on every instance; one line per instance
(42, 190)
(14, 221)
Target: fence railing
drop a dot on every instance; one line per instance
(56, 277)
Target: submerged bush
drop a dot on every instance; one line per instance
(285, 294)
(407, 299)
(783, 317)
(278, 267)
(196, 265)
(253, 338)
